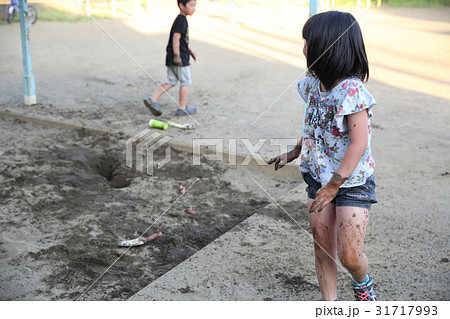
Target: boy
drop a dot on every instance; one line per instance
(177, 62)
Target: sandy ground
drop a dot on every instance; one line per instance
(67, 199)
(58, 210)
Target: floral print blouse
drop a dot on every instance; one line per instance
(325, 132)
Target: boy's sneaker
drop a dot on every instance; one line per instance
(364, 291)
(152, 106)
(188, 110)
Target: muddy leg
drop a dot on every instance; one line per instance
(323, 226)
(352, 224)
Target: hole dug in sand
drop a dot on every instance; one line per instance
(111, 167)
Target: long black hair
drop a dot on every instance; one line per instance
(335, 48)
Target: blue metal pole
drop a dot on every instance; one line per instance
(314, 7)
(28, 78)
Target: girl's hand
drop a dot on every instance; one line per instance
(281, 160)
(326, 194)
(323, 196)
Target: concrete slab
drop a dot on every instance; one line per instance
(269, 256)
(236, 267)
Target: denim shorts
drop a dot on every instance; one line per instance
(357, 196)
(177, 73)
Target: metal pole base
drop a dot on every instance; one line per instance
(29, 99)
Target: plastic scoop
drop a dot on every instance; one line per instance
(139, 241)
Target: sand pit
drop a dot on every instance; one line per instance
(68, 198)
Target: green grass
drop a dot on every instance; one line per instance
(417, 3)
(52, 14)
(398, 3)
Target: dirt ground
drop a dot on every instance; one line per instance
(67, 197)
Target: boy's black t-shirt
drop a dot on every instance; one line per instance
(180, 25)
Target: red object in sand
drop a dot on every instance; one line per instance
(182, 189)
(154, 236)
(191, 211)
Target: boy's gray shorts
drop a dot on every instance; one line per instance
(177, 73)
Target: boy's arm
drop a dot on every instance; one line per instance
(192, 53)
(176, 48)
(357, 125)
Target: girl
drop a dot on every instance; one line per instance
(336, 159)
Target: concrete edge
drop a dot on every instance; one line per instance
(176, 143)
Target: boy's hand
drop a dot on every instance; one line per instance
(193, 55)
(326, 194)
(177, 60)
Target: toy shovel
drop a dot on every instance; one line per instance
(182, 126)
(139, 241)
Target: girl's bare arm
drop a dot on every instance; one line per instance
(357, 125)
(281, 160)
(358, 132)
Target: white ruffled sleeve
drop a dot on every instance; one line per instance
(355, 98)
(304, 86)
